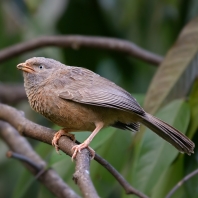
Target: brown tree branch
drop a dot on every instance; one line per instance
(35, 131)
(49, 178)
(40, 170)
(23, 158)
(30, 129)
(180, 183)
(77, 41)
(82, 176)
(12, 93)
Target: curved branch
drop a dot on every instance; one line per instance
(77, 42)
(35, 131)
(49, 178)
(187, 177)
(30, 129)
(23, 158)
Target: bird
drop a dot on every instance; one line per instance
(77, 99)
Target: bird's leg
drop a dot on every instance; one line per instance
(85, 144)
(57, 136)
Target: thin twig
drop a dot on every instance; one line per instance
(77, 41)
(35, 131)
(40, 169)
(127, 187)
(23, 158)
(180, 183)
(49, 178)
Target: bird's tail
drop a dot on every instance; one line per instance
(170, 134)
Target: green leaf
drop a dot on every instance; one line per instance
(191, 164)
(44, 150)
(155, 154)
(194, 109)
(44, 192)
(102, 137)
(169, 179)
(139, 97)
(177, 72)
(26, 186)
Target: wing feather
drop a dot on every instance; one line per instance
(89, 88)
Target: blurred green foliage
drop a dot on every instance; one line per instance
(149, 163)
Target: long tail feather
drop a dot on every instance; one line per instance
(170, 134)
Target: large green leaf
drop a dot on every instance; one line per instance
(169, 179)
(193, 101)
(25, 185)
(155, 154)
(177, 72)
(191, 164)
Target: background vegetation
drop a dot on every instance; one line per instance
(149, 164)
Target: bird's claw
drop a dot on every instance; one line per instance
(58, 135)
(78, 148)
(55, 143)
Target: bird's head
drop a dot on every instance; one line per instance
(37, 69)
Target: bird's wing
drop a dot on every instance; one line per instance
(89, 88)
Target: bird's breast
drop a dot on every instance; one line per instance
(65, 113)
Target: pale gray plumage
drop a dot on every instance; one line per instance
(77, 99)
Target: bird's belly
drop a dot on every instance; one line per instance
(76, 116)
(81, 117)
(70, 115)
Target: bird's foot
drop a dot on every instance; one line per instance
(57, 136)
(78, 148)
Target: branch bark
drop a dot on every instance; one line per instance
(77, 41)
(82, 176)
(30, 129)
(35, 131)
(49, 178)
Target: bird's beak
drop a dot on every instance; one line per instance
(24, 67)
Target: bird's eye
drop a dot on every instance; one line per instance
(41, 67)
